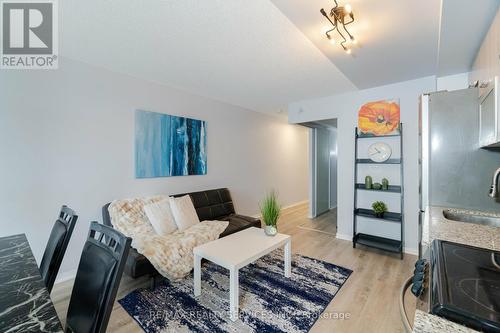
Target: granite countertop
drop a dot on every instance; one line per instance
(427, 323)
(436, 226)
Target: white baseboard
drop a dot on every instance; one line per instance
(411, 250)
(296, 204)
(344, 237)
(257, 216)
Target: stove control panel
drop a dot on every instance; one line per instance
(419, 277)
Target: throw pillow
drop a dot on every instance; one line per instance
(183, 211)
(160, 216)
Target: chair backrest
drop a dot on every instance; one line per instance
(56, 246)
(97, 279)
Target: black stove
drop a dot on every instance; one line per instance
(466, 285)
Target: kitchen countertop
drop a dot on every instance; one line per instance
(427, 323)
(436, 226)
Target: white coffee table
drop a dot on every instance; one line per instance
(236, 251)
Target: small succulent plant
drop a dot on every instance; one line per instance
(379, 207)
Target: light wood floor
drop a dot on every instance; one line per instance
(369, 297)
(325, 223)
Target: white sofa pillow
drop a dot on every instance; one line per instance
(160, 216)
(183, 211)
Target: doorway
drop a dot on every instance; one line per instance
(323, 175)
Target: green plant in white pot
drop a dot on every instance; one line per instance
(270, 210)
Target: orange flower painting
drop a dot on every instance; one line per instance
(379, 118)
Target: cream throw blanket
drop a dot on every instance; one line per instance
(171, 255)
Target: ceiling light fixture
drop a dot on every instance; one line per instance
(340, 17)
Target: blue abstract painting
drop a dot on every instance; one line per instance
(168, 145)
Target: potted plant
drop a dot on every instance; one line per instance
(379, 207)
(270, 210)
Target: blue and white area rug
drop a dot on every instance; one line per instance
(269, 302)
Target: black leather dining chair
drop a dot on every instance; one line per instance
(56, 245)
(97, 279)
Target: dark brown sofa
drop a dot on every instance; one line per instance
(210, 205)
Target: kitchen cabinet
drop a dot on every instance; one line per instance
(489, 126)
(487, 62)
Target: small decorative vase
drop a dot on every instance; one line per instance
(368, 182)
(385, 184)
(270, 230)
(379, 215)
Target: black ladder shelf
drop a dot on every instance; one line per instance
(382, 243)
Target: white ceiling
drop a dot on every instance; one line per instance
(464, 25)
(265, 54)
(246, 53)
(398, 40)
(394, 43)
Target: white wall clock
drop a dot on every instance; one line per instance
(379, 152)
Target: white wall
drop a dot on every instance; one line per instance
(453, 82)
(67, 137)
(345, 108)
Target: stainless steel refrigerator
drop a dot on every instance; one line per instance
(454, 170)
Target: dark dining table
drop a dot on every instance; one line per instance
(25, 304)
